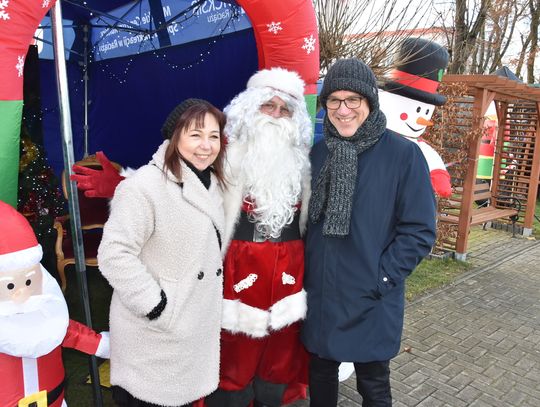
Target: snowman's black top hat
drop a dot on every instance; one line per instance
(420, 65)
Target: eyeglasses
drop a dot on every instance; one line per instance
(270, 108)
(353, 102)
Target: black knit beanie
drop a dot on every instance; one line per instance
(353, 75)
(168, 127)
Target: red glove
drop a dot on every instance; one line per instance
(440, 180)
(97, 183)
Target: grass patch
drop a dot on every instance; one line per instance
(433, 274)
(536, 223)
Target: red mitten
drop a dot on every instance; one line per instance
(440, 180)
(97, 183)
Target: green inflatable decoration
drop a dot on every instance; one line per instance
(10, 117)
(17, 27)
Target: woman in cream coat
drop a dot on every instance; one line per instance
(161, 254)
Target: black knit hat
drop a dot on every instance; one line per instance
(420, 65)
(353, 75)
(168, 127)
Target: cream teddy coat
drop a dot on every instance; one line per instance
(162, 235)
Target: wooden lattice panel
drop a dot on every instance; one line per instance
(515, 154)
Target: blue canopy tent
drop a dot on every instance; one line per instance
(118, 102)
(131, 90)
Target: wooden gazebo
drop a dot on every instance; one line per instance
(516, 169)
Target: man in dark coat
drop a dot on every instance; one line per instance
(371, 221)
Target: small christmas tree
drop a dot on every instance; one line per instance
(40, 199)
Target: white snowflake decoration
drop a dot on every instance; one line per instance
(309, 44)
(20, 65)
(287, 279)
(245, 283)
(274, 28)
(3, 6)
(45, 3)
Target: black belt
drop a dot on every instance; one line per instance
(246, 230)
(52, 395)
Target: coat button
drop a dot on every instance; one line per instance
(218, 272)
(201, 275)
(385, 279)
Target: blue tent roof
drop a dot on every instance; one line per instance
(129, 97)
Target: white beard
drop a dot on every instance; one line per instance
(37, 326)
(272, 171)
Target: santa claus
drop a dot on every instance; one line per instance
(34, 321)
(269, 135)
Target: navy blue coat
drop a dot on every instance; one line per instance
(355, 285)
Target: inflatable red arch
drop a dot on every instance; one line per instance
(285, 33)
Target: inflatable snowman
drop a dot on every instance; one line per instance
(409, 98)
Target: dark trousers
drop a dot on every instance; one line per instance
(372, 383)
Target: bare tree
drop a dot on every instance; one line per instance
(481, 35)
(534, 8)
(496, 35)
(368, 29)
(468, 23)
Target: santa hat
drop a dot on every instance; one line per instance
(262, 87)
(420, 67)
(280, 79)
(18, 244)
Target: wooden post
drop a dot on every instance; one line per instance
(482, 99)
(534, 180)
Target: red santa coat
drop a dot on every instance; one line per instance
(263, 280)
(24, 376)
(263, 286)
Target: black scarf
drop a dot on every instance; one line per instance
(334, 188)
(204, 175)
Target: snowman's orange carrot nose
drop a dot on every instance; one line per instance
(423, 122)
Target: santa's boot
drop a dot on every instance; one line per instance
(226, 398)
(268, 394)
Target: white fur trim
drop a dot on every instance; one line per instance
(127, 172)
(288, 310)
(238, 317)
(229, 315)
(279, 79)
(21, 259)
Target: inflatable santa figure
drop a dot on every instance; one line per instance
(34, 321)
(409, 99)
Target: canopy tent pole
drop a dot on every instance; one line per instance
(85, 79)
(73, 201)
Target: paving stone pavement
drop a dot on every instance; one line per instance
(477, 341)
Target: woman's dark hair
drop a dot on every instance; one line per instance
(195, 113)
